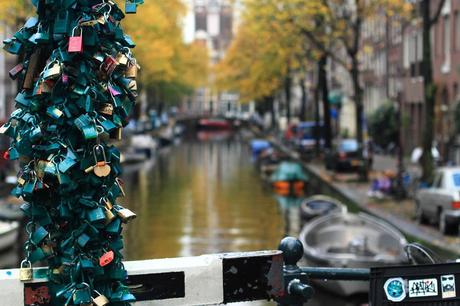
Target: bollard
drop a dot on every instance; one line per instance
(297, 291)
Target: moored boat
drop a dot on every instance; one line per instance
(8, 234)
(289, 179)
(351, 241)
(320, 205)
(214, 124)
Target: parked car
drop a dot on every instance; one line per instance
(302, 136)
(305, 141)
(440, 202)
(345, 156)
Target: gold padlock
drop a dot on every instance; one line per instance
(102, 169)
(25, 272)
(122, 59)
(109, 216)
(120, 184)
(126, 215)
(106, 109)
(132, 70)
(100, 300)
(101, 20)
(21, 181)
(133, 85)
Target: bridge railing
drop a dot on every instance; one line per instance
(202, 280)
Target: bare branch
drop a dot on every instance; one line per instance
(435, 18)
(321, 47)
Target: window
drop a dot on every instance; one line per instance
(438, 181)
(457, 30)
(456, 177)
(446, 40)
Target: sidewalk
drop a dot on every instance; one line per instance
(398, 213)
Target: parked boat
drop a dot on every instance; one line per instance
(8, 234)
(351, 241)
(258, 146)
(320, 205)
(268, 161)
(214, 124)
(289, 179)
(166, 136)
(10, 212)
(143, 144)
(132, 158)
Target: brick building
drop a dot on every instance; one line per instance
(392, 70)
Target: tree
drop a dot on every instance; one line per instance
(429, 18)
(171, 68)
(14, 13)
(335, 25)
(383, 125)
(266, 56)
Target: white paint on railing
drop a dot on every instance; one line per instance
(203, 278)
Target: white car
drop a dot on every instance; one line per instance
(440, 202)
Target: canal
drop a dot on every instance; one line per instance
(202, 196)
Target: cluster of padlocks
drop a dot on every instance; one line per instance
(77, 81)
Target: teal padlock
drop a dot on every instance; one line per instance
(82, 294)
(36, 134)
(66, 164)
(39, 234)
(87, 264)
(22, 99)
(114, 227)
(64, 211)
(96, 215)
(90, 132)
(13, 46)
(37, 255)
(83, 240)
(61, 23)
(54, 112)
(130, 7)
(29, 187)
(13, 153)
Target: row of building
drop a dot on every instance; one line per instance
(392, 71)
(390, 64)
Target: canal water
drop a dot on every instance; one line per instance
(203, 195)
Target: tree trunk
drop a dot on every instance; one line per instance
(358, 91)
(317, 118)
(270, 101)
(327, 128)
(427, 162)
(287, 92)
(303, 106)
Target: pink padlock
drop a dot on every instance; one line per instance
(76, 42)
(106, 259)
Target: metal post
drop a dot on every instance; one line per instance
(297, 291)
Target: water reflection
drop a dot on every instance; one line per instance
(201, 197)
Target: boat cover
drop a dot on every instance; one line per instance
(289, 171)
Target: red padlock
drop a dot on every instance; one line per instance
(106, 259)
(76, 42)
(109, 65)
